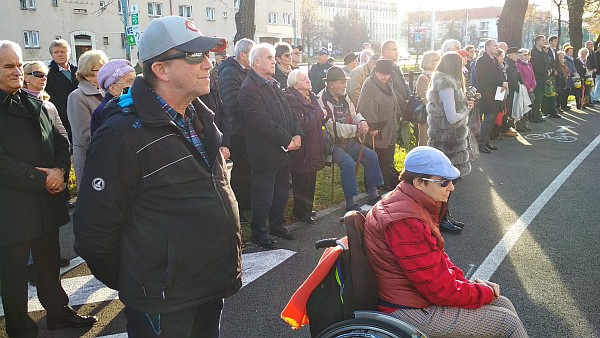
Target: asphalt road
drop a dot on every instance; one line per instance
(544, 193)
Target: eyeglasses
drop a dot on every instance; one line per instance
(38, 74)
(287, 55)
(444, 183)
(191, 58)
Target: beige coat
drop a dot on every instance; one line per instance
(357, 78)
(80, 105)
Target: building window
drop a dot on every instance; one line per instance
(225, 15)
(31, 39)
(287, 18)
(105, 40)
(272, 18)
(185, 11)
(210, 13)
(155, 9)
(54, 3)
(236, 4)
(27, 4)
(102, 4)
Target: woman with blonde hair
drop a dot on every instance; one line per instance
(82, 102)
(34, 84)
(429, 63)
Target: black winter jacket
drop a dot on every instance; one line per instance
(213, 101)
(28, 139)
(151, 220)
(59, 88)
(269, 123)
(316, 74)
(309, 158)
(231, 77)
(540, 61)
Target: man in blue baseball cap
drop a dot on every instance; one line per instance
(414, 274)
(318, 71)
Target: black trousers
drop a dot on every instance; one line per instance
(270, 190)
(241, 177)
(200, 321)
(303, 187)
(13, 266)
(385, 156)
(536, 112)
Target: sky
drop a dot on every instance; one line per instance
(459, 4)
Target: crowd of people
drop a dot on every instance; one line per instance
(151, 149)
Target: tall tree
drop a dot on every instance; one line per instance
(244, 20)
(559, 7)
(349, 31)
(575, 22)
(510, 23)
(314, 28)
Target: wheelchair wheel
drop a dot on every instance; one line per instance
(366, 328)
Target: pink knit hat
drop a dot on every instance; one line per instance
(112, 71)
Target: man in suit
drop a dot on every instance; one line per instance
(34, 160)
(549, 102)
(489, 77)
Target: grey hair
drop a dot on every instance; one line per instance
(11, 44)
(427, 61)
(582, 50)
(366, 52)
(257, 51)
(292, 79)
(449, 45)
(242, 46)
(59, 43)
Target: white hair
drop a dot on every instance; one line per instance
(292, 79)
(10, 44)
(449, 45)
(257, 51)
(242, 46)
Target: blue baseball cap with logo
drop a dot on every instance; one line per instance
(323, 51)
(430, 161)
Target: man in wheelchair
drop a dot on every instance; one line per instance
(417, 282)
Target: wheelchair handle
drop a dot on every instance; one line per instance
(328, 243)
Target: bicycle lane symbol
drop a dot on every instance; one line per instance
(560, 135)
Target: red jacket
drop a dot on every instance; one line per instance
(405, 248)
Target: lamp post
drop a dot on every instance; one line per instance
(127, 47)
(294, 25)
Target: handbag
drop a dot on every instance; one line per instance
(415, 110)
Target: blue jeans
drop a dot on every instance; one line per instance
(595, 96)
(346, 159)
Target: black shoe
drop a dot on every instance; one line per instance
(453, 221)
(449, 228)
(484, 149)
(555, 116)
(266, 242)
(73, 321)
(541, 120)
(63, 262)
(491, 147)
(313, 213)
(281, 232)
(374, 200)
(521, 129)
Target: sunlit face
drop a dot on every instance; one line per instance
(303, 82)
(265, 64)
(554, 43)
(433, 189)
(492, 48)
(322, 58)
(35, 82)
(541, 42)
(569, 52)
(589, 45)
(384, 78)
(514, 56)
(353, 64)
(60, 55)
(285, 60)
(93, 79)
(337, 88)
(561, 57)
(500, 58)
(190, 79)
(390, 51)
(584, 53)
(11, 71)
(116, 89)
(296, 56)
(472, 53)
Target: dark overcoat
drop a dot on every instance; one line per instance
(489, 78)
(59, 88)
(28, 139)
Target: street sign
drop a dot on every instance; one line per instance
(130, 40)
(133, 35)
(417, 37)
(135, 19)
(134, 9)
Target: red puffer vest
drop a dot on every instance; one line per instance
(404, 202)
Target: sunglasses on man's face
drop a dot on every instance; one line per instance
(191, 58)
(38, 74)
(444, 183)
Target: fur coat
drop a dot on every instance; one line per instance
(451, 139)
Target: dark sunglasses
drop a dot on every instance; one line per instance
(38, 74)
(191, 58)
(444, 183)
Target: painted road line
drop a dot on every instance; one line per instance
(75, 262)
(87, 289)
(118, 335)
(501, 250)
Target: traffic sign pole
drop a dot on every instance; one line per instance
(124, 7)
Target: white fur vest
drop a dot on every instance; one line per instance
(451, 139)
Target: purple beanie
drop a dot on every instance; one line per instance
(112, 71)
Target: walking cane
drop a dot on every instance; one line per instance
(360, 154)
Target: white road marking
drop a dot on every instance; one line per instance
(501, 250)
(87, 289)
(118, 335)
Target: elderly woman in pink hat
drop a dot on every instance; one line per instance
(114, 78)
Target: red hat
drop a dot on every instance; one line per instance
(463, 53)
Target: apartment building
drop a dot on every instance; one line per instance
(98, 24)
(278, 20)
(381, 16)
